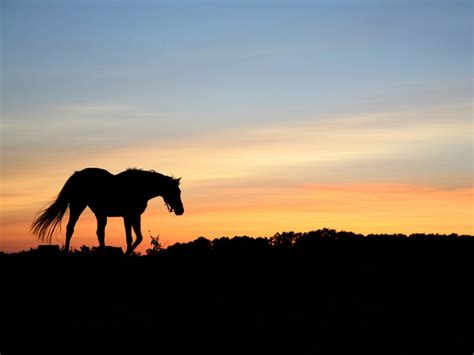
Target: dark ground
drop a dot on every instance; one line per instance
(298, 295)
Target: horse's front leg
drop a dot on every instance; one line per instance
(101, 223)
(127, 220)
(136, 224)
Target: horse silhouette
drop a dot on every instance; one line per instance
(123, 195)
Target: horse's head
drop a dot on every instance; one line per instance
(172, 197)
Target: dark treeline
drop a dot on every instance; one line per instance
(286, 241)
(240, 245)
(321, 292)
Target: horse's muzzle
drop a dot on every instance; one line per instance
(178, 211)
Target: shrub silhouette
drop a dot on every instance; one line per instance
(156, 246)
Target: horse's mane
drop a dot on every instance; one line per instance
(150, 172)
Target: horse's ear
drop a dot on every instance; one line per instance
(177, 180)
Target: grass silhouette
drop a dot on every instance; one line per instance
(320, 292)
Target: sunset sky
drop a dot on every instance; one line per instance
(278, 115)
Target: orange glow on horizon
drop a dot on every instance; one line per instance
(225, 211)
(260, 179)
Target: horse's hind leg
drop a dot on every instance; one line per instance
(75, 211)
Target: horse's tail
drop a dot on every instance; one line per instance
(49, 218)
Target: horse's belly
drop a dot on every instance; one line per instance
(117, 210)
(111, 203)
(115, 213)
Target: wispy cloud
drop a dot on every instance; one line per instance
(323, 144)
(335, 148)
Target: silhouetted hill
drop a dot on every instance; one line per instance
(321, 292)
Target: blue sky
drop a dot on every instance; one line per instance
(239, 56)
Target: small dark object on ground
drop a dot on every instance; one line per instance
(47, 249)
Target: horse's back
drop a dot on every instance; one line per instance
(93, 172)
(92, 178)
(105, 193)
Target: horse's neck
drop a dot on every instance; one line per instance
(152, 191)
(152, 194)
(145, 186)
